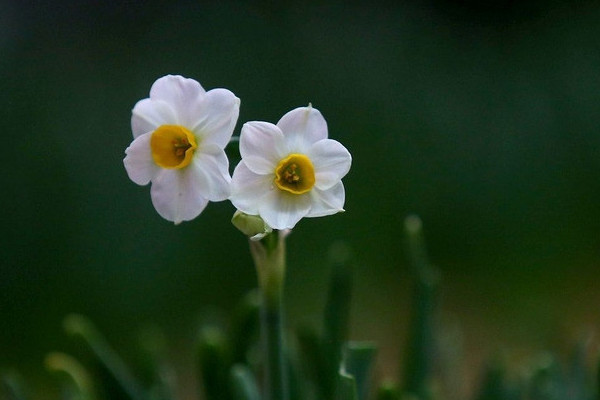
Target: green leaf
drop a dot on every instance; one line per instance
(243, 383)
(388, 391)
(577, 378)
(153, 365)
(214, 362)
(79, 383)
(358, 361)
(300, 388)
(244, 330)
(336, 316)
(12, 387)
(346, 387)
(79, 325)
(311, 356)
(421, 345)
(450, 358)
(495, 386)
(598, 379)
(547, 382)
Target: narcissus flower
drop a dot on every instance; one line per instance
(290, 170)
(180, 133)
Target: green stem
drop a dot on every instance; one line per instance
(269, 258)
(272, 336)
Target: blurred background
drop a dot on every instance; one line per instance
(481, 117)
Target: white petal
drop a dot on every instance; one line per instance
(177, 196)
(248, 188)
(210, 168)
(331, 161)
(327, 202)
(147, 115)
(138, 160)
(179, 92)
(262, 146)
(214, 118)
(302, 127)
(282, 210)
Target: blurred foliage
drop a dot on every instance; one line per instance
(322, 363)
(482, 117)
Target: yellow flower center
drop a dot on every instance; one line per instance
(295, 174)
(172, 146)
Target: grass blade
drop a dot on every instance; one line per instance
(336, 316)
(421, 347)
(346, 387)
(81, 326)
(80, 383)
(243, 383)
(358, 361)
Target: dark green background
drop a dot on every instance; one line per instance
(484, 120)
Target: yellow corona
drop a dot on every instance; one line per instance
(295, 174)
(172, 146)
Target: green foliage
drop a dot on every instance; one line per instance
(243, 383)
(78, 385)
(12, 386)
(322, 364)
(214, 361)
(358, 361)
(346, 387)
(421, 346)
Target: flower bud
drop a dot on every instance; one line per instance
(251, 225)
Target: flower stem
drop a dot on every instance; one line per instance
(272, 336)
(269, 258)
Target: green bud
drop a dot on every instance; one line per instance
(252, 226)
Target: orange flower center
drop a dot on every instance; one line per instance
(172, 146)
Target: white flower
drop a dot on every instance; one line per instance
(290, 170)
(180, 133)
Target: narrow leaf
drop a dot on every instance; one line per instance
(243, 383)
(153, 363)
(388, 391)
(421, 346)
(214, 363)
(346, 387)
(336, 316)
(78, 325)
(79, 383)
(311, 356)
(494, 385)
(577, 378)
(358, 361)
(547, 382)
(244, 330)
(11, 387)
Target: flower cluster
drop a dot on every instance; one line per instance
(288, 171)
